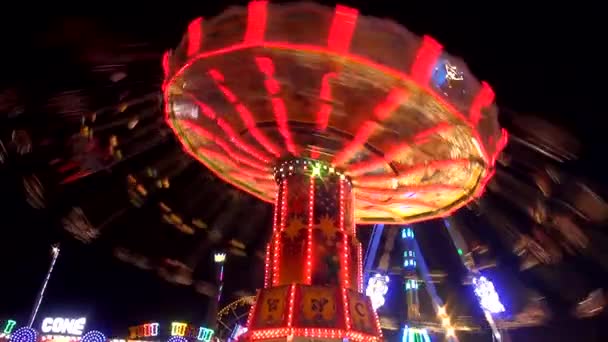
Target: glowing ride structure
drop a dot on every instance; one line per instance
(310, 108)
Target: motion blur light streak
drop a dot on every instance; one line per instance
(415, 335)
(377, 287)
(488, 297)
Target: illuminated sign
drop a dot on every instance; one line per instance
(59, 325)
(8, 326)
(178, 329)
(144, 330)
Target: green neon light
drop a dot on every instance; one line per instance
(10, 325)
(205, 334)
(459, 251)
(316, 171)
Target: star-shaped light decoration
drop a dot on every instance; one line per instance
(327, 226)
(293, 228)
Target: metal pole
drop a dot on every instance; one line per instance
(55, 251)
(370, 255)
(219, 259)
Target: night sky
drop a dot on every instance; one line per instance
(542, 61)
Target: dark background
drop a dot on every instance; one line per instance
(543, 61)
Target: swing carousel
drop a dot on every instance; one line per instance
(336, 119)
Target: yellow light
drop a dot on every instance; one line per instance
(219, 257)
(178, 328)
(316, 171)
(441, 311)
(445, 321)
(451, 332)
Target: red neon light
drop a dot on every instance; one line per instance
(346, 56)
(341, 223)
(267, 263)
(390, 104)
(346, 309)
(483, 99)
(325, 96)
(195, 34)
(378, 326)
(345, 247)
(217, 77)
(225, 126)
(426, 58)
(244, 114)
(342, 28)
(277, 237)
(284, 206)
(203, 161)
(359, 267)
(252, 310)
(275, 259)
(224, 146)
(262, 334)
(309, 236)
(166, 64)
(272, 246)
(277, 211)
(352, 58)
(382, 111)
(502, 142)
(292, 297)
(266, 66)
(257, 12)
(359, 139)
(235, 138)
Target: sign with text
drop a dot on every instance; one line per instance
(60, 325)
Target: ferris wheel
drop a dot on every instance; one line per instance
(232, 319)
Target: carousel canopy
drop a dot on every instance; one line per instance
(410, 126)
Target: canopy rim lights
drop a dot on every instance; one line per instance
(244, 156)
